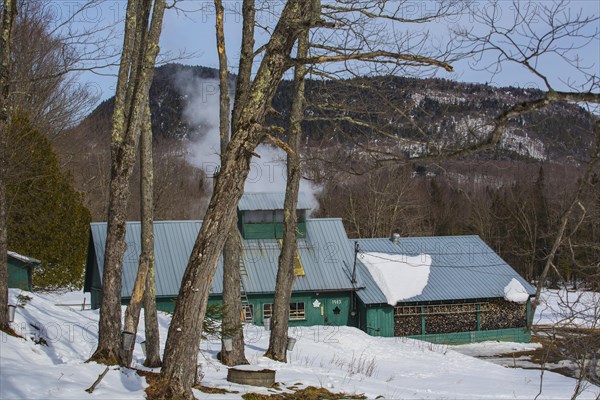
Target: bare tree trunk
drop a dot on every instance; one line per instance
(132, 313)
(232, 298)
(9, 13)
(181, 351)
(151, 320)
(285, 273)
(147, 194)
(244, 79)
(135, 76)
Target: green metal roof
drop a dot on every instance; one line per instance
(270, 201)
(462, 268)
(326, 256)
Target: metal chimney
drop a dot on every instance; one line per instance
(395, 238)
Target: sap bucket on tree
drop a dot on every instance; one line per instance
(11, 312)
(127, 339)
(143, 345)
(228, 343)
(291, 343)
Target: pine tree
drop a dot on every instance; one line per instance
(47, 218)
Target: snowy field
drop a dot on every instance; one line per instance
(339, 359)
(569, 308)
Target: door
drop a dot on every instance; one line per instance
(336, 311)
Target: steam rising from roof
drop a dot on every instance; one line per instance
(201, 111)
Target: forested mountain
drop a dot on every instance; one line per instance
(512, 197)
(422, 110)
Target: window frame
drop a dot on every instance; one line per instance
(264, 310)
(300, 313)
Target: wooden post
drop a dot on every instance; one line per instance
(422, 320)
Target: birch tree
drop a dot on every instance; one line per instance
(136, 69)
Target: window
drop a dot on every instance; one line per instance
(247, 312)
(267, 310)
(258, 217)
(279, 216)
(297, 311)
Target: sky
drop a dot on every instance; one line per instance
(188, 37)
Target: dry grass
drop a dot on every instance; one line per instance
(308, 393)
(213, 390)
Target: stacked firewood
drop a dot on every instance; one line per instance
(501, 314)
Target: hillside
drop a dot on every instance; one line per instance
(425, 110)
(341, 120)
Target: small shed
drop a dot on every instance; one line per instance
(20, 270)
(451, 289)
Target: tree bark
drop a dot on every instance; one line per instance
(232, 299)
(9, 13)
(285, 273)
(127, 116)
(181, 351)
(244, 79)
(132, 313)
(147, 194)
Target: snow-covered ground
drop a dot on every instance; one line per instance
(340, 359)
(569, 308)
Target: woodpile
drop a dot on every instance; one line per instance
(502, 314)
(448, 318)
(407, 325)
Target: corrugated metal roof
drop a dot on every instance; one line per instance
(326, 255)
(462, 268)
(271, 201)
(24, 259)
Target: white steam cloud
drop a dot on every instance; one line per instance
(267, 173)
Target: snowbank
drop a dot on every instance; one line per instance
(515, 292)
(399, 277)
(342, 359)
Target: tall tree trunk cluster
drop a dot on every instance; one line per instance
(9, 13)
(143, 288)
(140, 48)
(181, 351)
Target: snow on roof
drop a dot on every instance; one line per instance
(22, 258)
(398, 276)
(515, 292)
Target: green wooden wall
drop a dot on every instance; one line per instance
(272, 230)
(378, 320)
(333, 308)
(19, 275)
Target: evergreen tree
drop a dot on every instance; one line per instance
(46, 218)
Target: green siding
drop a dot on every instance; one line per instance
(321, 315)
(19, 276)
(380, 321)
(270, 231)
(510, 335)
